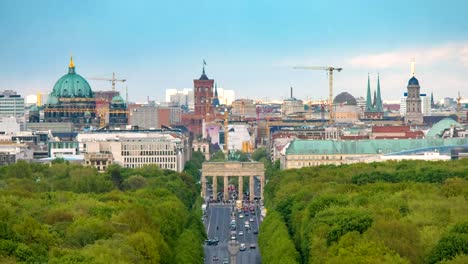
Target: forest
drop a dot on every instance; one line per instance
(67, 213)
(389, 212)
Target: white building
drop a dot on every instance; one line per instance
(136, 149)
(11, 104)
(226, 97)
(183, 97)
(186, 97)
(403, 106)
(426, 104)
(238, 135)
(9, 125)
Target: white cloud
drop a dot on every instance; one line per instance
(451, 52)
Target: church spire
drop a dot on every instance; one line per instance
(368, 97)
(379, 104)
(432, 100)
(216, 99)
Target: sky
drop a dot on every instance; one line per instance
(250, 46)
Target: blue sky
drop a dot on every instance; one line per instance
(249, 46)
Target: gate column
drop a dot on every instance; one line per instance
(251, 188)
(226, 191)
(203, 186)
(215, 188)
(241, 188)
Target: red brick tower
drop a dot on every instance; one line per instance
(203, 96)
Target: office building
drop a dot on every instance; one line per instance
(11, 104)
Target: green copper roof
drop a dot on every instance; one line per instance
(380, 146)
(375, 105)
(439, 127)
(117, 100)
(72, 85)
(52, 99)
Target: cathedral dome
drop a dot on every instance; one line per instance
(345, 98)
(413, 81)
(72, 85)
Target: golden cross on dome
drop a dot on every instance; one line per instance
(71, 65)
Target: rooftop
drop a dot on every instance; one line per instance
(380, 146)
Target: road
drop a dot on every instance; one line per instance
(217, 224)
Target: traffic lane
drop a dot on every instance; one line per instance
(216, 218)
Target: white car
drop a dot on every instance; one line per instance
(241, 215)
(241, 233)
(251, 219)
(242, 247)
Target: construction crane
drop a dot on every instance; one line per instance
(330, 83)
(459, 108)
(112, 80)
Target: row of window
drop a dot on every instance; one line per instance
(305, 164)
(149, 159)
(145, 147)
(147, 153)
(162, 166)
(317, 157)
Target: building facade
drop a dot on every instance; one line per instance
(305, 153)
(132, 149)
(413, 103)
(203, 95)
(11, 104)
(345, 108)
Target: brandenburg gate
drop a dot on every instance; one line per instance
(233, 169)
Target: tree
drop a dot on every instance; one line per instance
(259, 153)
(218, 156)
(134, 182)
(189, 248)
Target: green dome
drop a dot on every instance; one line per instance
(34, 108)
(52, 99)
(439, 127)
(72, 85)
(117, 100)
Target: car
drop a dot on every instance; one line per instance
(242, 247)
(225, 261)
(241, 215)
(241, 233)
(253, 246)
(255, 232)
(211, 242)
(233, 237)
(247, 227)
(251, 219)
(246, 213)
(215, 258)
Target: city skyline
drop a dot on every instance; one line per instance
(251, 48)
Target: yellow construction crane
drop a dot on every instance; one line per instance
(459, 108)
(112, 80)
(330, 83)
